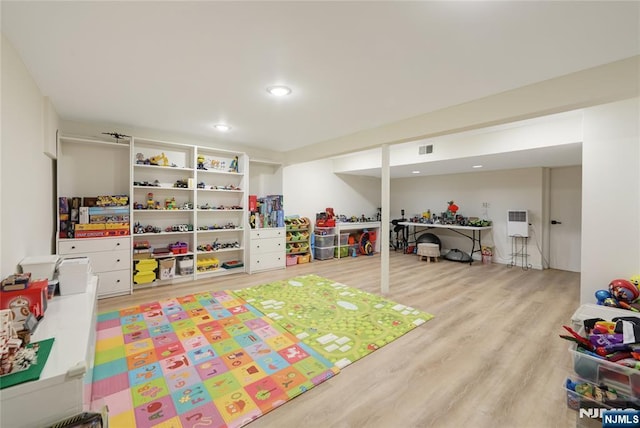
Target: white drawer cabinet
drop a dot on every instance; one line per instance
(267, 250)
(110, 259)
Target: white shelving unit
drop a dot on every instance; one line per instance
(193, 195)
(89, 167)
(221, 209)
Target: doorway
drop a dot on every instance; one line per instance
(565, 214)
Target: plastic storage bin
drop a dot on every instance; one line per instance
(208, 264)
(185, 266)
(323, 253)
(624, 379)
(292, 260)
(324, 240)
(144, 277)
(41, 267)
(585, 396)
(324, 231)
(146, 265)
(343, 239)
(341, 251)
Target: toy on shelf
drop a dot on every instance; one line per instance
(151, 204)
(233, 167)
(159, 160)
(201, 161)
(452, 208)
(326, 219)
(622, 293)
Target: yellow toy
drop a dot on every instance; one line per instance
(160, 160)
(201, 161)
(151, 204)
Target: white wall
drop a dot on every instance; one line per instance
(611, 196)
(501, 190)
(311, 187)
(27, 175)
(265, 179)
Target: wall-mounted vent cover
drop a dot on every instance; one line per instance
(518, 223)
(425, 150)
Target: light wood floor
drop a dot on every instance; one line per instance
(491, 357)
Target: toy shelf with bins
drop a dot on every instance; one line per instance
(166, 240)
(298, 238)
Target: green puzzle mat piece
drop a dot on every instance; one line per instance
(341, 323)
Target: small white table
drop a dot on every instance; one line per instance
(356, 225)
(475, 234)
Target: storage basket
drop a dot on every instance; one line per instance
(305, 258)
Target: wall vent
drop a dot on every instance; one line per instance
(425, 150)
(518, 223)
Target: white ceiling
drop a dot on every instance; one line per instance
(183, 66)
(548, 157)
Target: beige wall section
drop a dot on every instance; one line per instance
(599, 85)
(26, 185)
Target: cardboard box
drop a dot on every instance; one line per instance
(167, 268)
(101, 233)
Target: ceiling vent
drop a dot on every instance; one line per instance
(425, 150)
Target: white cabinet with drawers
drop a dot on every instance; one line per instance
(267, 249)
(110, 260)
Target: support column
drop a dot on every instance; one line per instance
(384, 226)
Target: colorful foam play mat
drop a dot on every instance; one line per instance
(225, 358)
(343, 324)
(207, 359)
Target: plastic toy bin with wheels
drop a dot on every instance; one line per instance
(624, 379)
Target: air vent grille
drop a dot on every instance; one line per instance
(517, 216)
(425, 150)
(518, 223)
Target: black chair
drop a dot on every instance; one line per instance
(399, 242)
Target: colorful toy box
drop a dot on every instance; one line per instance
(31, 300)
(179, 248)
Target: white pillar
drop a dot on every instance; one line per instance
(384, 227)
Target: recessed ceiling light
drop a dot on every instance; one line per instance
(477, 166)
(279, 90)
(415, 172)
(222, 127)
